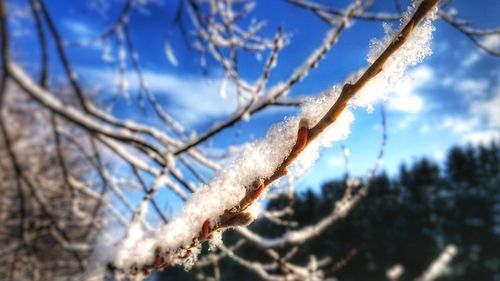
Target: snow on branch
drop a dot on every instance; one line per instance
(228, 200)
(439, 264)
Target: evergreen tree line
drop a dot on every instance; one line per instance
(407, 219)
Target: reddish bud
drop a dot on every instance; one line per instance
(205, 230)
(302, 135)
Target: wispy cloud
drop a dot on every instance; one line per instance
(471, 59)
(460, 125)
(21, 23)
(481, 121)
(488, 109)
(78, 29)
(471, 88)
(405, 122)
(336, 161)
(192, 100)
(407, 97)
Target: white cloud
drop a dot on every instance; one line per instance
(471, 59)
(406, 97)
(489, 109)
(191, 100)
(410, 103)
(483, 137)
(405, 122)
(336, 161)
(78, 29)
(477, 97)
(469, 129)
(460, 125)
(481, 123)
(438, 155)
(471, 88)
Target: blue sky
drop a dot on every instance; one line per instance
(451, 98)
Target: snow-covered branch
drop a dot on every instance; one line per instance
(77, 172)
(227, 200)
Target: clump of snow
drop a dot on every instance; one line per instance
(313, 110)
(416, 48)
(135, 235)
(261, 158)
(215, 241)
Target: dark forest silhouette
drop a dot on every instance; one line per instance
(407, 220)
